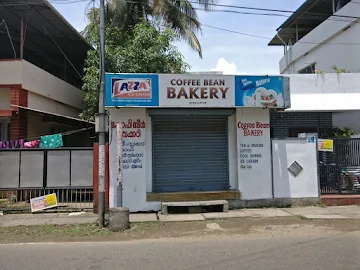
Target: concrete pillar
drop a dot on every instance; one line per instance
(118, 219)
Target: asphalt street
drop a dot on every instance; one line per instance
(336, 250)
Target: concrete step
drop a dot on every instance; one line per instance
(194, 206)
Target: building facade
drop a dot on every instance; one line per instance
(321, 36)
(41, 62)
(186, 135)
(319, 103)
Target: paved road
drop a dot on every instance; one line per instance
(328, 251)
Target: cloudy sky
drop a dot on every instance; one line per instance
(223, 51)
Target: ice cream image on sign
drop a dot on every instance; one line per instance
(262, 97)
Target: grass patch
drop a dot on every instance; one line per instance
(55, 230)
(302, 217)
(320, 205)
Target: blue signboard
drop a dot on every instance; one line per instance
(123, 90)
(259, 91)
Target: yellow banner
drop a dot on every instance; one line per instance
(325, 145)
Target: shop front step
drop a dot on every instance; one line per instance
(194, 196)
(194, 206)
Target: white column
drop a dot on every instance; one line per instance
(253, 153)
(136, 159)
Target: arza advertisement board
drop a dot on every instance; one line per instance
(131, 90)
(196, 91)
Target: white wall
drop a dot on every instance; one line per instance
(306, 184)
(325, 92)
(43, 84)
(11, 72)
(315, 47)
(332, 83)
(233, 161)
(136, 182)
(42, 103)
(254, 155)
(4, 98)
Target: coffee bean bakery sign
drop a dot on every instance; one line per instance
(196, 91)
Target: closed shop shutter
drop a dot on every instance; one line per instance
(190, 153)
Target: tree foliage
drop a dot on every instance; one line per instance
(344, 133)
(179, 15)
(145, 48)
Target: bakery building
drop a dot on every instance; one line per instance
(191, 136)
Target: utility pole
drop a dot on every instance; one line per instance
(101, 206)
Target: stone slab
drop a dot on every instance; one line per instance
(266, 212)
(42, 219)
(66, 221)
(231, 214)
(342, 210)
(352, 216)
(301, 211)
(195, 203)
(325, 217)
(192, 217)
(143, 217)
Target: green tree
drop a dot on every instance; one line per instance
(144, 49)
(179, 15)
(343, 133)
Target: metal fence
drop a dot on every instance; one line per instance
(340, 169)
(29, 173)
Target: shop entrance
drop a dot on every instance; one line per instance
(190, 150)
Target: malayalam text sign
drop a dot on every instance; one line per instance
(43, 202)
(196, 91)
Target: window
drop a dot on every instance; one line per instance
(4, 130)
(308, 70)
(294, 132)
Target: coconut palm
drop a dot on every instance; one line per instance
(179, 15)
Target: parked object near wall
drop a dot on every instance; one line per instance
(119, 219)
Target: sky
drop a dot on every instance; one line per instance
(223, 51)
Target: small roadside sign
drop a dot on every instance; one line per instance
(325, 145)
(43, 202)
(311, 139)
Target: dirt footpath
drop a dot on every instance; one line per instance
(252, 227)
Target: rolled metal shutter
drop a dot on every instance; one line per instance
(190, 153)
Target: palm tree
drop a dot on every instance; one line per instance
(179, 15)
